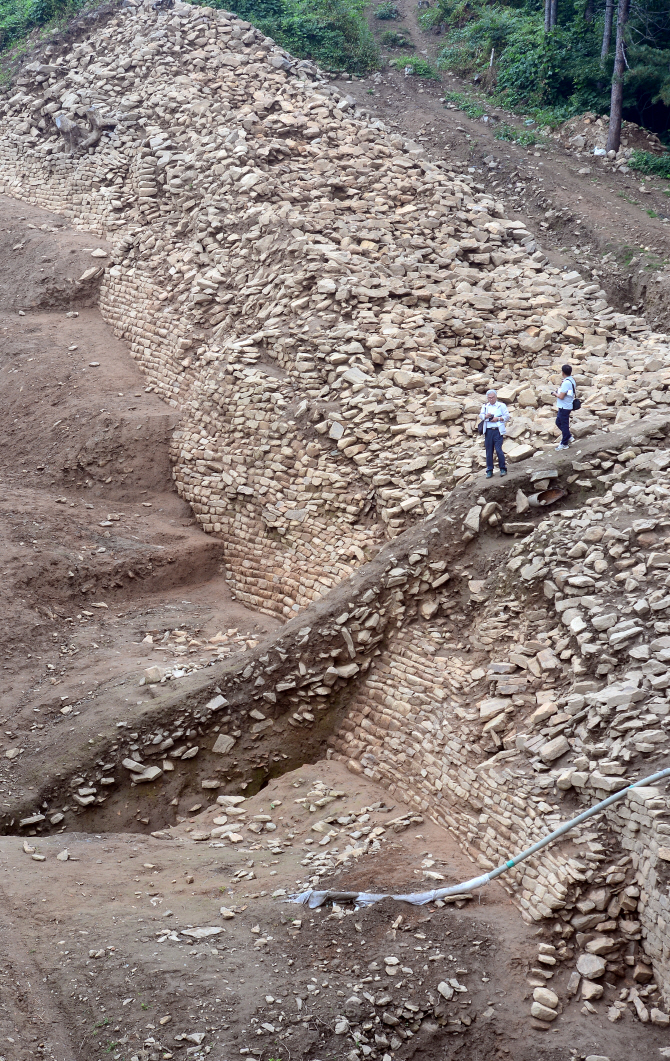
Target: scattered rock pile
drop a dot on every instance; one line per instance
(343, 836)
(588, 134)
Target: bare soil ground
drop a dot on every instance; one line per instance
(97, 956)
(104, 573)
(83, 441)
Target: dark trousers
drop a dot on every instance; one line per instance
(494, 440)
(563, 422)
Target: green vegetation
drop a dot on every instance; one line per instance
(558, 71)
(417, 67)
(334, 33)
(525, 137)
(467, 104)
(395, 40)
(654, 165)
(387, 11)
(19, 17)
(648, 260)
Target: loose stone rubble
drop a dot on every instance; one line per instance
(588, 134)
(326, 308)
(364, 830)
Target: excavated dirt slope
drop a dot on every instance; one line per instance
(267, 626)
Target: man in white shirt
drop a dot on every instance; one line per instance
(494, 415)
(565, 396)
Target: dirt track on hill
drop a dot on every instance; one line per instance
(578, 208)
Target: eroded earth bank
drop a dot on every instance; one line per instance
(266, 625)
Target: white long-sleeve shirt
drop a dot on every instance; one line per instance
(497, 409)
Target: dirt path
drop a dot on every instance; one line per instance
(579, 209)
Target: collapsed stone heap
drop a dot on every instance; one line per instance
(588, 134)
(324, 305)
(326, 309)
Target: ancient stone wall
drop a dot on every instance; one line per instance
(322, 303)
(325, 307)
(642, 823)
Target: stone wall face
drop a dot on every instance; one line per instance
(642, 822)
(404, 730)
(324, 308)
(411, 727)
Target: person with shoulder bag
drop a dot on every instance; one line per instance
(493, 417)
(566, 402)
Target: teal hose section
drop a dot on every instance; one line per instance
(562, 829)
(314, 899)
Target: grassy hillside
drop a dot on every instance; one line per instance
(19, 17)
(504, 46)
(334, 33)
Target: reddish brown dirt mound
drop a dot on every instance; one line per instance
(82, 441)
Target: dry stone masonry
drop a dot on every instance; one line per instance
(324, 308)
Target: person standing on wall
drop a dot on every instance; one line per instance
(565, 402)
(492, 419)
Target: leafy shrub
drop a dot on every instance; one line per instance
(387, 11)
(19, 17)
(561, 71)
(530, 67)
(395, 40)
(429, 17)
(334, 33)
(256, 11)
(469, 46)
(556, 69)
(550, 117)
(525, 137)
(654, 165)
(417, 67)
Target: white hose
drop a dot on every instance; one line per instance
(313, 898)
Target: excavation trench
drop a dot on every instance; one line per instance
(220, 391)
(232, 727)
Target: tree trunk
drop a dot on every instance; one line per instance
(589, 11)
(547, 15)
(607, 30)
(614, 135)
(554, 13)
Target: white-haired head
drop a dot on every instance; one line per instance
(491, 392)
